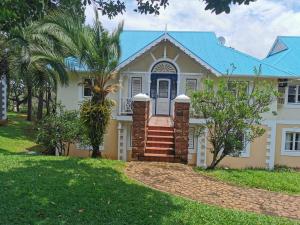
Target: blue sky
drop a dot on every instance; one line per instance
(251, 29)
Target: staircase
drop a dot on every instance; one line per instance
(160, 141)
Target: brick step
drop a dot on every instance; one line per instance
(160, 133)
(159, 158)
(161, 144)
(160, 138)
(160, 128)
(157, 150)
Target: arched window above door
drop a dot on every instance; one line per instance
(164, 67)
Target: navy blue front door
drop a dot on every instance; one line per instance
(172, 78)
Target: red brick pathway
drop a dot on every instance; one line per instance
(181, 180)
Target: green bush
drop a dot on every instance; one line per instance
(57, 131)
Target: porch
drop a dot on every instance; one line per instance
(162, 84)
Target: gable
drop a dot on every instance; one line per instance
(165, 50)
(279, 46)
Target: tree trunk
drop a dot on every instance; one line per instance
(29, 103)
(96, 152)
(40, 104)
(68, 149)
(18, 106)
(215, 162)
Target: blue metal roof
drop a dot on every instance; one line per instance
(289, 58)
(203, 45)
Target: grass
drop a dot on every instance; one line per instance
(64, 190)
(17, 136)
(279, 180)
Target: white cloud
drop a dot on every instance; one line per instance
(251, 29)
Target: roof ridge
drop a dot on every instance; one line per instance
(287, 36)
(173, 31)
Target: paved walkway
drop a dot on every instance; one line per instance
(181, 180)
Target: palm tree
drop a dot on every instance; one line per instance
(36, 59)
(99, 51)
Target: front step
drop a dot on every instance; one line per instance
(160, 141)
(160, 133)
(159, 158)
(156, 150)
(160, 128)
(160, 144)
(160, 138)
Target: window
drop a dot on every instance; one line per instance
(190, 86)
(293, 95)
(232, 86)
(290, 142)
(136, 86)
(87, 92)
(163, 89)
(246, 148)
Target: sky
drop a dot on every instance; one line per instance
(251, 29)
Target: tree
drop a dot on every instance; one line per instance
(19, 13)
(57, 131)
(17, 93)
(233, 113)
(99, 51)
(35, 57)
(112, 8)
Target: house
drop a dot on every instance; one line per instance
(157, 72)
(3, 99)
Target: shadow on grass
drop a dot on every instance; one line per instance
(76, 191)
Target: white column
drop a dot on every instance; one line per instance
(120, 96)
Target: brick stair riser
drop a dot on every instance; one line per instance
(159, 133)
(161, 139)
(160, 144)
(161, 128)
(160, 151)
(159, 159)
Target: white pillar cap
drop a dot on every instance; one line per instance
(182, 99)
(141, 98)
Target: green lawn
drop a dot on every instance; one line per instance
(64, 190)
(279, 180)
(17, 136)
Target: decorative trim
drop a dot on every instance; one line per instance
(192, 133)
(164, 67)
(201, 150)
(271, 145)
(122, 138)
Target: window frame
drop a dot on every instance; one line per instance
(239, 81)
(286, 152)
(297, 102)
(83, 87)
(131, 82)
(190, 79)
(245, 153)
